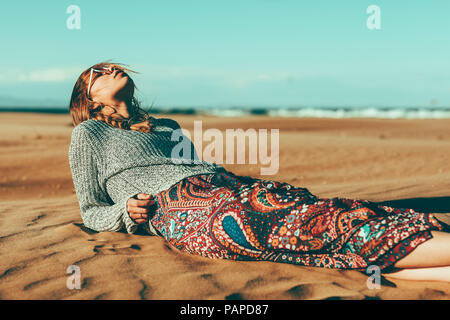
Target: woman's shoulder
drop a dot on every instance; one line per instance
(97, 127)
(90, 125)
(88, 128)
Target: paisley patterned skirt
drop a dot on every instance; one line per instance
(226, 216)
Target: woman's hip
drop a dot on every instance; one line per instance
(239, 214)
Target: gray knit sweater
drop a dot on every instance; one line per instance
(109, 165)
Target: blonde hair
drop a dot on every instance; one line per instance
(82, 108)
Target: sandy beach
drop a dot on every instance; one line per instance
(400, 162)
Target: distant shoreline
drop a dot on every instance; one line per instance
(291, 112)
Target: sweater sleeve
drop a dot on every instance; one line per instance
(97, 210)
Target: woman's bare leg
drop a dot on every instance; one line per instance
(434, 252)
(429, 261)
(429, 274)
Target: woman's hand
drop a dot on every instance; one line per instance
(139, 208)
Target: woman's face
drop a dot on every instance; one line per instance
(113, 89)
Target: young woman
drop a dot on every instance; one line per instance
(127, 175)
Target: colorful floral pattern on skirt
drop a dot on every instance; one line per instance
(223, 215)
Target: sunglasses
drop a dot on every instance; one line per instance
(103, 70)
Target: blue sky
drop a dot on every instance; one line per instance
(232, 53)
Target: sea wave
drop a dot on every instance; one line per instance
(292, 112)
(336, 112)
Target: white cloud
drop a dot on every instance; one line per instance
(39, 75)
(234, 78)
(237, 78)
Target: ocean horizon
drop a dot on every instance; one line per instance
(292, 112)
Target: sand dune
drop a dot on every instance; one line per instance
(404, 162)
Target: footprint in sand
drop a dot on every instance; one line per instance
(36, 220)
(326, 290)
(113, 249)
